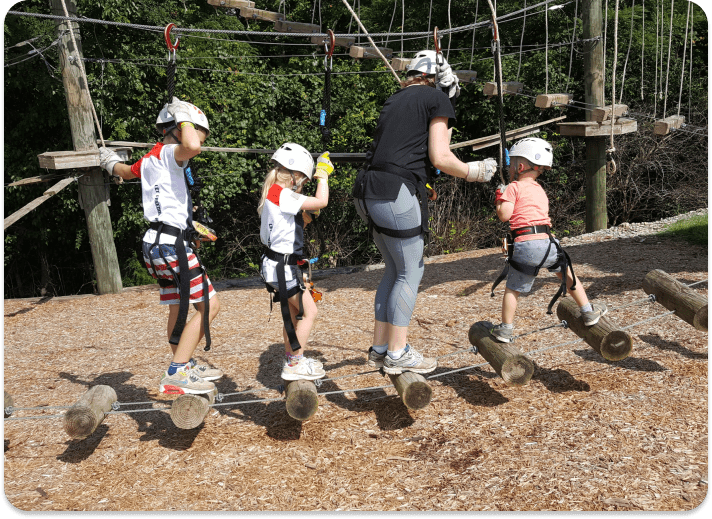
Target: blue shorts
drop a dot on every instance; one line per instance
(531, 253)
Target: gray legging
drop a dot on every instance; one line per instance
(397, 291)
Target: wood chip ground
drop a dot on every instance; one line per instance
(584, 434)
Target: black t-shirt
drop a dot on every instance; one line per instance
(401, 140)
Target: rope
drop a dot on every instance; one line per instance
(496, 51)
(84, 74)
(605, 33)
(689, 91)
(612, 148)
(630, 43)
(642, 57)
(684, 52)
(571, 54)
(521, 41)
(657, 47)
(667, 75)
(378, 51)
(546, 51)
(472, 47)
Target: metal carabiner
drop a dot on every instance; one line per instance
(167, 36)
(329, 50)
(439, 60)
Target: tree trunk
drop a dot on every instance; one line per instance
(690, 306)
(413, 389)
(611, 343)
(82, 419)
(507, 360)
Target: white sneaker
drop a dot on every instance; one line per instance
(411, 360)
(305, 369)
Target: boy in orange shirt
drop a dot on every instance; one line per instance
(524, 204)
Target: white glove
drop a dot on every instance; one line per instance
(448, 81)
(180, 110)
(481, 170)
(108, 159)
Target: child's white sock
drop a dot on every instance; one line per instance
(397, 354)
(586, 308)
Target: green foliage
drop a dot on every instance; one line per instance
(693, 230)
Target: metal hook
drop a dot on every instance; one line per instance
(329, 50)
(172, 46)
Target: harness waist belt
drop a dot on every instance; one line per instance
(287, 259)
(171, 230)
(532, 229)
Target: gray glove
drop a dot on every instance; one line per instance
(481, 170)
(448, 81)
(108, 159)
(180, 110)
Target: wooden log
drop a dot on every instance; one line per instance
(604, 337)
(9, 402)
(338, 42)
(189, 411)
(549, 100)
(400, 64)
(356, 51)
(289, 26)
(688, 305)
(260, 14)
(664, 126)
(302, 400)
(622, 126)
(603, 113)
(491, 140)
(466, 76)
(38, 201)
(413, 389)
(507, 360)
(508, 87)
(33, 180)
(82, 419)
(231, 3)
(76, 159)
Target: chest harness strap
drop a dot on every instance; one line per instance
(282, 294)
(409, 176)
(563, 261)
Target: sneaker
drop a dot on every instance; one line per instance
(376, 359)
(314, 361)
(502, 334)
(305, 369)
(411, 360)
(598, 310)
(184, 381)
(205, 372)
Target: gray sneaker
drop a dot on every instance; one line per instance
(376, 359)
(598, 310)
(205, 372)
(502, 334)
(184, 381)
(411, 360)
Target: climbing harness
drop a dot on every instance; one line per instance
(282, 295)
(325, 115)
(496, 52)
(563, 260)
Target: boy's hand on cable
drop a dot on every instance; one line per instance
(324, 167)
(107, 160)
(180, 110)
(481, 170)
(499, 193)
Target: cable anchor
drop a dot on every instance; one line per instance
(318, 382)
(115, 406)
(564, 324)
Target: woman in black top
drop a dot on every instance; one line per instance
(412, 136)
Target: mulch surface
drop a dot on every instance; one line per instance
(583, 434)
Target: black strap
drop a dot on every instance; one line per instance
(284, 300)
(286, 259)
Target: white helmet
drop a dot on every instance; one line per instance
(295, 157)
(197, 117)
(426, 62)
(537, 151)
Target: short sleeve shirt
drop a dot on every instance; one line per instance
(531, 207)
(282, 227)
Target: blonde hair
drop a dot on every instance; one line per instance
(418, 80)
(278, 174)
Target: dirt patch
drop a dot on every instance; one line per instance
(584, 434)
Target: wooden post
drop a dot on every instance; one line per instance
(8, 403)
(611, 343)
(507, 360)
(596, 210)
(82, 419)
(189, 411)
(413, 389)
(690, 306)
(302, 400)
(92, 191)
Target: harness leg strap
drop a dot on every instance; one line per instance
(284, 306)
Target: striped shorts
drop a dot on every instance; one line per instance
(159, 270)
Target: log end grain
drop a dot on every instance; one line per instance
(9, 403)
(414, 390)
(616, 345)
(700, 320)
(189, 411)
(517, 370)
(81, 421)
(301, 399)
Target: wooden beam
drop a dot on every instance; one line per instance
(466, 76)
(664, 126)
(549, 100)
(289, 26)
(82, 419)
(688, 305)
(231, 3)
(603, 113)
(356, 51)
(76, 159)
(33, 180)
(509, 87)
(338, 42)
(610, 342)
(260, 14)
(38, 201)
(400, 64)
(301, 399)
(511, 133)
(594, 129)
(507, 360)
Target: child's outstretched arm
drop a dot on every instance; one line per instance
(324, 168)
(111, 162)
